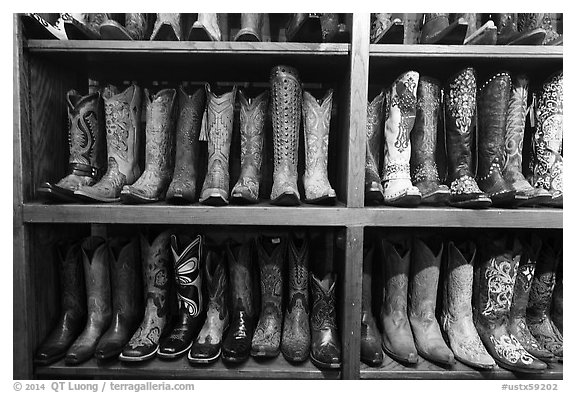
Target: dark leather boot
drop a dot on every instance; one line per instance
(134, 29)
(424, 275)
(456, 317)
(251, 27)
(295, 343)
(325, 349)
(373, 191)
(182, 189)
(38, 26)
(155, 265)
(397, 339)
(95, 257)
(438, 30)
(370, 342)
(159, 167)
(286, 109)
(87, 141)
(387, 29)
(423, 139)
(557, 314)
(127, 301)
(266, 339)
(83, 26)
(168, 27)
(494, 280)
(317, 188)
(508, 34)
(219, 120)
(252, 118)
(206, 347)
(304, 28)
(493, 99)
(72, 306)
(206, 28)
(237, 344)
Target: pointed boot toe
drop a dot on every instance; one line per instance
(45, 358)
(108, 350)
(138, 354)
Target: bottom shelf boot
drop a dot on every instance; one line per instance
(370, 342)
(558, 300)
(325, 351)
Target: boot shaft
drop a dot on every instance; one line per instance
(458, 282)
(526, 269)
(298, 256)
(136, 24)
(188, 130)
(396, 256)
(515, 124)
(168, 27)
(188, 258)
(241, 278)
(506, 24)
(251, 27)
(156, 267)
(540, 299)
(374, 122)
(125, 276)
(73, 289)
(95, 257)
(323, 302)
(317, 115)
(550, 28)
(252, 118)
(271, 252)
(424, 276)
(529, 21)
(219, 120)
(216, 283)
(160, 111)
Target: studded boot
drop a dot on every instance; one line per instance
(135, 27)
(304, 28)
(83, 26)
(552, 36)
(168, 27)
(205, 28)
(437, 29)
(251, 26)
(373, 191)
(370, 341)
(325, 350)
(387, 29)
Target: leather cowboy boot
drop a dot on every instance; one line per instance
(188, 258)
(329, 26)
(266, 340)
(123, 133)
(456, 315)
(529, 25)
(547, 165)
(493, 99)
(127, 301)
(182, 189)
(317, 114)
(286, 110)
(304, 28)
(206, 347)
(205, 28)
(38, 27)
(517, 322)
(83, 26)
(438, 30)
(397, 339)
(325, 349)
(423, 140)
(219, 120)
(486, 34)
(508, 34)
(552, 36)
(95, 256)
(557, 314)
(400, 116)
(514, 138)
(540, 299)
(373, 191)
(493, 290)
(134, 29)
(168, 27)
(460, 109)
(86, 138)
(252, 116)
(155, 263)
(387, 29)
(251, 27)
(72, 306)
(295, 343)
(424, 275)
(370, 341)
(151, 185)
(237, 344)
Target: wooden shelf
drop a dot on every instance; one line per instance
(467, 51)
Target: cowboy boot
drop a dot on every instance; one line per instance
(456, 314)
(95, 256)
(219, 120)
(517, 322)
(460, 109)
(151, 185)
(507, 26)
(304, 28)
(325, 349)
(552, 36)
(206, 347)
(423, 140)
(168, 27)
(237, 344)
(251, 27)
(387, 29)
(188, 258)
(424, 275)
(557, 314)
(134, 29)
(493, 99)
(86, 140)
(494, 281)
(397, 339)
(486, 34)
(286, 129)
(317, 114)
(529, 25)
(540, 299)
(127, 300)
(370, 342)
(205, 28)
(123, 133)
(72, 306)
(252, 116)
(400, 116)
(373, 191)
(266, 340)
(83, 26)
(182, 189)
(329, 26)
(295, 343)
(155, 263)
(438, 30)
(547, 165)
(37, 27)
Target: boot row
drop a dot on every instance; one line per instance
(408, 116)
(498, 306)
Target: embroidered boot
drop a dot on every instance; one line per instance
(168, 27)
(317, 115)
(529, 27)
(134, 29)
(83, 26)
(182, 189)
(304, 28)
(286, 111)
(508, 34)
(438, 30)
(325, 349)
(72, 306)
(370, 341)
(557, 314)
(552, 36)
(205, 28)
(38, 27)
(373, 191)
(387, 29)
(456, 316)
(252, 117)
(155, 263)
(266, 340)
(219, 120)
(251, 26)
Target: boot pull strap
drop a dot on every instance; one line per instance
(531, 111)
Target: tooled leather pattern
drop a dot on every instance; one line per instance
(551, 34)
(500, 275)
(374, 120)
(405, 100)
(529, 21)
(509, 348)
(188, 278)
(323, 306)
(137, 25)
(85, 135)
(380, 24)
(241, 279)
